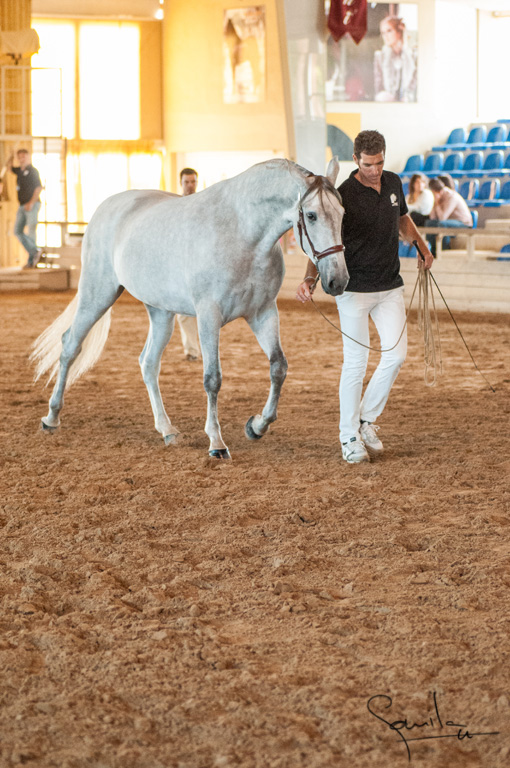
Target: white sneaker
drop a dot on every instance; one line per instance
(368, 434)
(354, 451)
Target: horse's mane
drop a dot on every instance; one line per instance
(320, 185)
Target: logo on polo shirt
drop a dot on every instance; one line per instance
(393, 199)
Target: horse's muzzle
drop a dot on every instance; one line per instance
(335, 286)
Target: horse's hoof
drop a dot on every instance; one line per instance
(172, 439)
(220, 453)
(47, 429)
(249, 431)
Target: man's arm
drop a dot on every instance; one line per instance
(409, 232)
(307, 287)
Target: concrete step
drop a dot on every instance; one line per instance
(46, 279)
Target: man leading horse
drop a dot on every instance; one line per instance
(375, 215)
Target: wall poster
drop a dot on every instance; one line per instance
(383, 67)
(244, 55)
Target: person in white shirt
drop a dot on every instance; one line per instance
(450, 210)
(420, 199)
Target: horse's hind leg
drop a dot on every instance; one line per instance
(266, 327)
(161, 329)
(87, 314)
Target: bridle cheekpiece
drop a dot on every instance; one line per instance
(321, 183)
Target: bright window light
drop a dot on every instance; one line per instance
(53, 94)
(109, 81)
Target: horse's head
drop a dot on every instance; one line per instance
(317, 221)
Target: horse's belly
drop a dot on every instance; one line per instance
(155, 287)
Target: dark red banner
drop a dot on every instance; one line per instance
(348, 17)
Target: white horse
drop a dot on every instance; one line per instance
(215, 255)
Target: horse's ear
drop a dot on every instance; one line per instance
(299, 173)
(332, 171)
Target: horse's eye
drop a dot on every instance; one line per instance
(311, 216)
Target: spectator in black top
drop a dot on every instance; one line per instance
(375, 215)
(29, 188)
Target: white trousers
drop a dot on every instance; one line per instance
(189, 334)
(387, 310)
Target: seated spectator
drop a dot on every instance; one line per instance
(447, 181)
(450, 210)
(420, 199)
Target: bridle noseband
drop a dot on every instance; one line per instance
(320, 183)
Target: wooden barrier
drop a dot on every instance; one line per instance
(471, 233)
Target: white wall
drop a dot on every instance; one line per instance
(494, 94)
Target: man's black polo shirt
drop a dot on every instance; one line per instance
(370, 233)
(28, 181)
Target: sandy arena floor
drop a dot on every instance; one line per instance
(162, 610)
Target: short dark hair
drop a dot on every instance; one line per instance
(187, 172)
(22, 151)
(369, 142)
(436, 185)
(447, 180)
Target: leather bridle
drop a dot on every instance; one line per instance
(320, 183)
(317, 255)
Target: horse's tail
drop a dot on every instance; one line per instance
(47, 348)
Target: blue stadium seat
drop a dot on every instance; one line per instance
(406, 250)
(453, 162)
(497, 135)
(477, 135)
(457, 136)
(472, 164)
(505, 249)
(474, 216)
(405, 187)
(414, 164)
(433, 164)
(469, 188)
(489, 190)
(502, 199)
(504, 170)
(493, 161)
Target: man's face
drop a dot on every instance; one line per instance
(189, 183)
(23, 159)
(370, 167)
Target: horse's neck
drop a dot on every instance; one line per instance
(263, 199)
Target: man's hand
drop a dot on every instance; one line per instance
(427, 260)
(28, 206)
(305, 290)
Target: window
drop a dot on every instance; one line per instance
(109, 80)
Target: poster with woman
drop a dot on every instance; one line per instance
(244, 55)
(384, 65)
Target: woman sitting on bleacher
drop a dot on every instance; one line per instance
(420, 199)
(450, 210)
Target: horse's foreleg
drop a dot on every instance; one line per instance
(266, 328)
(209, 324)
(161, 329)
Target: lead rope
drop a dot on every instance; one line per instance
(431, 337)
(367, 346)
(428, 323)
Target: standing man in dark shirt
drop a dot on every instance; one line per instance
(375, 214)
(29, 188)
